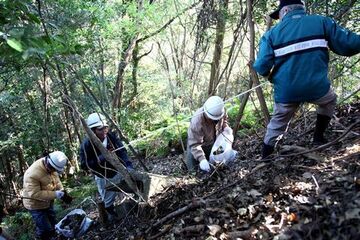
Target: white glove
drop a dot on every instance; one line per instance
(204, 165)
(59, 194)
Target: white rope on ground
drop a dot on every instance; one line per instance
(188, 118)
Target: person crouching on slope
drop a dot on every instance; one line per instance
(207, 123)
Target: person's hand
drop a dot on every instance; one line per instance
(59, 194)
(204, 165)
(67, 198)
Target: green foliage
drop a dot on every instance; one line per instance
(21, 225)
(164, 136)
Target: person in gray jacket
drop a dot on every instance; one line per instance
(206, 124)
(294, 55)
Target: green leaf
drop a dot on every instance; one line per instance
(34, 18)
(15, 44)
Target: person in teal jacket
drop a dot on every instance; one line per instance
(294, 55)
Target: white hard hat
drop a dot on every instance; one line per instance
(58, 160)
(214, 108)
(96, 120)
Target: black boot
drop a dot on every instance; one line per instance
(322, 122)
(266, 150)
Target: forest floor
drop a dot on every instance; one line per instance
(301, 193)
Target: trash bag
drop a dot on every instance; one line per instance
(74, 224)
(222, 150)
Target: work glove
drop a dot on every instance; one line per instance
(67, 198)
(59, 194)
(204, 165)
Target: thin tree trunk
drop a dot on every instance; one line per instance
(231, 52)
(74, 123)
(46, 109)
(173, 103)
(69, 118)
(253, 74)
(135, 62)
(20, 155)
(242, 108)
(219, 40)
(119, 86)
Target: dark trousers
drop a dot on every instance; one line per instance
(45, 221)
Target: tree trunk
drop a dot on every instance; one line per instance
(135, 62)
(46, 108)
(20, 155)
(119, 86)
(69, 118)
(219, 39)
(242, 108)
(253, 75)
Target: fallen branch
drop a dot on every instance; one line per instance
(288, 148)
(193, 205)
(246, 234)
(165, 230)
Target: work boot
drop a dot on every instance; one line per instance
(322, 122)
(267, 150)
(112, 214)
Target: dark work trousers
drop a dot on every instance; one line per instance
(45, 221)
(283, 113)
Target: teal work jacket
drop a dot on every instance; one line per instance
(295, 55)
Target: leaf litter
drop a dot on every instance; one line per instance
(289, 197)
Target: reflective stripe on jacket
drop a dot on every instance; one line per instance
(40, 184)
(295, 51)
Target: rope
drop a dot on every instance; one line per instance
(188, 118)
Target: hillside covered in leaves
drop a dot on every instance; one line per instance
(148, 65)
(303, 192)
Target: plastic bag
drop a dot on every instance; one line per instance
(74, 231)
(222, 150)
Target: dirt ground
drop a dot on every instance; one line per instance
(302, 192)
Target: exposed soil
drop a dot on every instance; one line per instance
(294, 195)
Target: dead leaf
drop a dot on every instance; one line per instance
(214, 229)
(253, 193)
(352, 213)
(198, 219)
(242, 211)
(307, 175)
